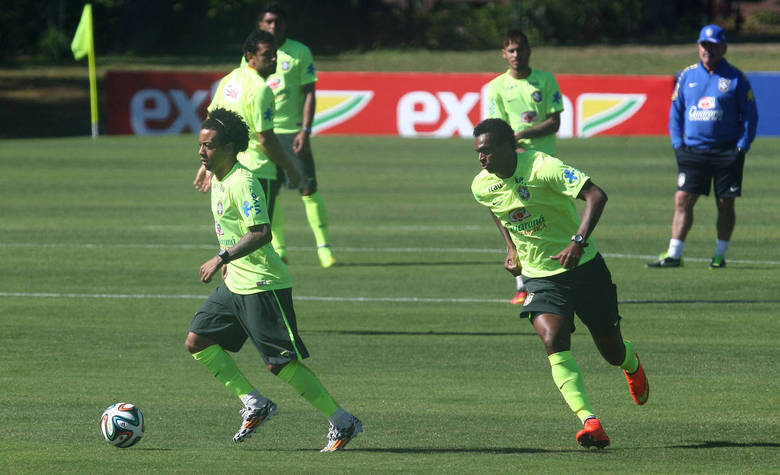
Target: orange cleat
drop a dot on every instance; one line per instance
(638, 385)
(593, 434)
(519, 298)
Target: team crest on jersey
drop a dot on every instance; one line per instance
(274, 83)
(285, 65)
(529, 116)
(518, 215)
(706, 103)
(723, 84)
(232, 92)
(571, 175)
(220, 232)
(537, 96)
(524, 193)
(220, 209)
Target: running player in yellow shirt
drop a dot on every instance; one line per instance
(532, 197)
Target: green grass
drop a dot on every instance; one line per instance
(102, 241)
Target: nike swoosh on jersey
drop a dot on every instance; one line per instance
(693, 84)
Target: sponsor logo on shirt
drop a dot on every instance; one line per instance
(274, 83)
(697, 115)
(495, 187)
(247, 208)
(529, 116)
(232, 92)
(537, 96)
(706, 103)
(723, 84)
(255, 205)
(693, 84)
(519, 214)
(269, 114)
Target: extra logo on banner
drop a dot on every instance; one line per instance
(405, 104)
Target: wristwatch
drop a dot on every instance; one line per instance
(224, 255)
(579, 239)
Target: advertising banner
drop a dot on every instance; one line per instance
(416, 104)
(766, 87)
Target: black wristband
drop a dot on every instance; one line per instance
(224, 255)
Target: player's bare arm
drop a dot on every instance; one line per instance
(547, 127)
(202, 181)
(257, 237)
(595, 199)
(273, 150)
(510, 263)
(301, 142)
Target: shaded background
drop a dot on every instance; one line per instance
(43, 28)
(45, 93)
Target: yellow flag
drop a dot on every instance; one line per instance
(82, 40)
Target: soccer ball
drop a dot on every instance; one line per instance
(122, 425)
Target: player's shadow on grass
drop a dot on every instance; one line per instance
(465, 450)
(419, 333)
(419, 263)
(717, 444)
(698, 301)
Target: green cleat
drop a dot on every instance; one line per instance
(718, 262)
(665, 261)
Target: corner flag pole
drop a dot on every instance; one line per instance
(84, 45)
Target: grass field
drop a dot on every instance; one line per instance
(102, 241)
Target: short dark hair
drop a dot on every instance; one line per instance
(275, 8)
(230, 128)
(498, 129)
(514, 35)
(255, 38)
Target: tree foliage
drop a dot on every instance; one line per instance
(218, 27)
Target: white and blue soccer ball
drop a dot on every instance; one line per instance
(122, 425)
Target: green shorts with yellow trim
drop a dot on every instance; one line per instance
(266, 318)
(586, 290)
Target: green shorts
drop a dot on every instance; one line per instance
(304, 164)
(586, 290)
(267, 318)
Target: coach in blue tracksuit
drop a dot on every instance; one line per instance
(712, 123)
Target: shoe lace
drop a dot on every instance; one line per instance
(336, 433)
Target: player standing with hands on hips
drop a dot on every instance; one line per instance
(712, 123)
(531, 102)
(255, 301)
(531, 194)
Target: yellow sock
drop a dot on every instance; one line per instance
(568, 378)
(224, 369)
(277, 231)
(630, 364)
(317, 216)
(304, 381)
